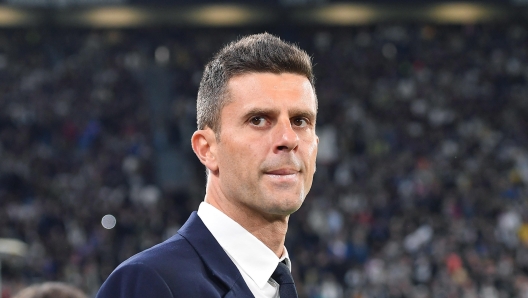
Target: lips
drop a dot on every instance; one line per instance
(282, 172)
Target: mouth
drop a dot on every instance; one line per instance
(285, 175)
(282, 172)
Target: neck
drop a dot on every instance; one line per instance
(269, 229)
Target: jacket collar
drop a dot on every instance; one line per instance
(214, 256)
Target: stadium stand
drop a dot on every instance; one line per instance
(420, 188)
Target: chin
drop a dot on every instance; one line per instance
(287, 207)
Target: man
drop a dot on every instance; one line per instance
(256, 113)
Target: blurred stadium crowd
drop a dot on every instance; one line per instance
(420, 188)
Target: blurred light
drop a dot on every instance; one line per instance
(341, 14)
(10, 16)
(113, 17)
(108, 221)
(461, 13)
(12, 247)
(122, 16)
(225, 15)
(162, 55)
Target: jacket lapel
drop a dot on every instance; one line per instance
(214, 256)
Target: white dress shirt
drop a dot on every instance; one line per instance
(255, 261)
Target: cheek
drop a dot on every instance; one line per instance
(312, 151)
(314, 148)
(239, 156)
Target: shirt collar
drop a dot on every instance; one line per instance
(250, 254)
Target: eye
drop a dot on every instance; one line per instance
(300, 122)
(258, 121)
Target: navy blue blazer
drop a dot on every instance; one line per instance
(189, 264)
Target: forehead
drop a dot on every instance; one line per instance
(271, 89)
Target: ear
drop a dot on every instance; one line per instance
(204, 146)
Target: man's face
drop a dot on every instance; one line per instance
(268, 146)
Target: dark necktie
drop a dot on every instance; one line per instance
(284, 278)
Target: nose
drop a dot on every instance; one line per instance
(285, 136)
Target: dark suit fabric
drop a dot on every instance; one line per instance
(189, 264)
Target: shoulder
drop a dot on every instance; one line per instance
(163, 258)
(135, 280)
(174, 248)
(170, 269)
